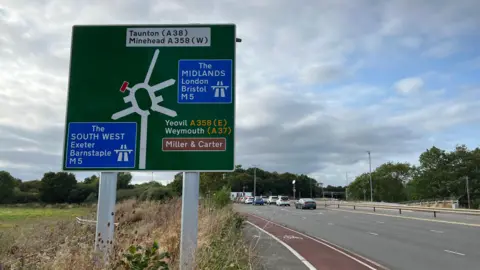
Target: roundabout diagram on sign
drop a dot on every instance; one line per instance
(134, 108)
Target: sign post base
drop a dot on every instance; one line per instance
(189, 233)
(107, 196)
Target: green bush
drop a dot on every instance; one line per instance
(156, 193)
(221, 198)
(92, 198)
(226, 249)
(81, 192)
(125, 194)
(24, 197)
(150, 258)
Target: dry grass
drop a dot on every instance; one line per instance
(67, 245)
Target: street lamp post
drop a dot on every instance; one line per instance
(311, 190)
(293, 183)
(346, 187)
(321, 186)
(254, 180)
(371, 186)
(468, 193)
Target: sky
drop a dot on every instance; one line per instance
(319, 83)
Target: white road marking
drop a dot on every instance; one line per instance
(453, 252)
(304, 218)
(408, 217)
(320, 213)
(152, 65)
(293, 251)
(435, 231)
(372, 233)
(381, 222)
(292, 237)
(330, 223)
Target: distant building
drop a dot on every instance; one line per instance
(234, 195)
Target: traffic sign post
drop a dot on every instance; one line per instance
(151, 98)
(162, 96)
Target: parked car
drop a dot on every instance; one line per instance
(283, 201)
(242, 199)
(258, 201)
(249, 200)
(306, 203)
(265, 199)
(272, 199)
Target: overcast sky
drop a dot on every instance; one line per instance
(318, 82)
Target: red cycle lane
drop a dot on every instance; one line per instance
(320, 254)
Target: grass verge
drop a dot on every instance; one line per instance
(57, 242)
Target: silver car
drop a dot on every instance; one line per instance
(249, 200)
(306, 203)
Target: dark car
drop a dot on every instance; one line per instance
(306, 203)
(258, 201)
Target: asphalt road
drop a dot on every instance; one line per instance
(394, 242)
(409, 213)
(271, 254)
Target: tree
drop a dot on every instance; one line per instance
(92, 179)
(156, 193)
(31, 186)
(390, 180)
(7, 185)
(177, 184)
(81, 192)
(211, 182)
(56, 187)
(17, 182)
(123, 180)
(358, 189)
(432, 178)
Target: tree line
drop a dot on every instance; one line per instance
(267, 183)
(63, 187)
(55, 187)
(439, 175)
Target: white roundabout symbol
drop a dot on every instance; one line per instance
(130, 98)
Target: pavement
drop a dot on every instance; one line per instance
(412, 240)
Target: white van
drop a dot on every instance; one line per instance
(283, 201)
(272, 199)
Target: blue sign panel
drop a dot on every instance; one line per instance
(101, 145)
(205, 81)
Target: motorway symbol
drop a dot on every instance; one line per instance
(219, 88)
(123, 153)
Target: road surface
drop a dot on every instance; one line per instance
(271, 255)
(410, 213)
(394, 242)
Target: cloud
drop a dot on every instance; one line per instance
(313, 86)
(441, 50)
(409, 85)
(322, 73)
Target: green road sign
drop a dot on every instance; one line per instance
(151, 97)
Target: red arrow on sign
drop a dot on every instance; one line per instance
(124, 86)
